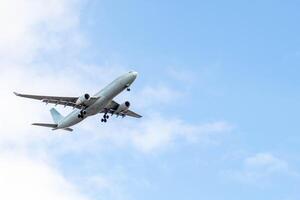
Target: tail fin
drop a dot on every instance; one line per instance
(56, 116)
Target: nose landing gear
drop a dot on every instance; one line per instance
(127, 87)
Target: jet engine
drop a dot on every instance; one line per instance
(123, 107)
(83, 99)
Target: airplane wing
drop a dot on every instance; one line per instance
(113, 106)
(57, 100)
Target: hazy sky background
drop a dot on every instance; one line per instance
(218, 88)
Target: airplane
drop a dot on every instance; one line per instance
(86, 105)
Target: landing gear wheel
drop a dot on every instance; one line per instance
(128, 89)
(105, 116)
(80, 116)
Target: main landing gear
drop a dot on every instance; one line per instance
(127, 86)
(105, 118)
(82, 113)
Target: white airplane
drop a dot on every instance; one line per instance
(86, 105)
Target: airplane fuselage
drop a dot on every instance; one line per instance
(106, 95)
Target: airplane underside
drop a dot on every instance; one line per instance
(88, 105)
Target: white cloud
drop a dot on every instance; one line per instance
(29, 29)
(109, 185)
(159, 133)
(266, 161)
(261, 169)
(154, 133)
(24, 178)
(29, 26)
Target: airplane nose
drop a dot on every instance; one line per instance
(135, 74)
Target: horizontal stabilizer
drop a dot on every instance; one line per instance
(53, 126)
(68, 129)
(45, 125)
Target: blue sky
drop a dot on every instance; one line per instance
(218, 87)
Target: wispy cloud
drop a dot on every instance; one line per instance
(23, 177)
(159, 133)
(156, 96)
(29, 27)
(261, 169)
(29, 31)
(152, 134)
